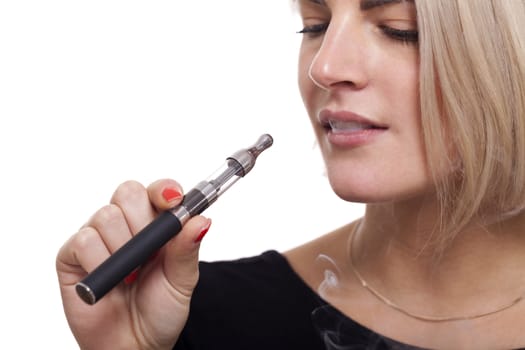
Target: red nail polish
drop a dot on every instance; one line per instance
(131, 277)
(203, 232)
(170, 194)
(153, 256)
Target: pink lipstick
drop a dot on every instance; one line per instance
(348, 129)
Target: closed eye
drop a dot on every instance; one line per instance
(402, 35)
(314, 29)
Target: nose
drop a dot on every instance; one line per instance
(341, 59)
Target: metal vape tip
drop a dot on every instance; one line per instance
(262, 144)
(247, 157)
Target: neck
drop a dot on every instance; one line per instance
(392, 251)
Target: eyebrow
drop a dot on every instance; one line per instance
(318, 2)
(367, 4)
(370, 4)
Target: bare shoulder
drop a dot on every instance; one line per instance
(307, 259)
(313, 259)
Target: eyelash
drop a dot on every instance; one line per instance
(314, 30)
(404, 36)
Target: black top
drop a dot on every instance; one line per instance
(260, 303)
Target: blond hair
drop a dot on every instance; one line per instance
(472, 85)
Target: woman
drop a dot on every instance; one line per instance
(419, 111)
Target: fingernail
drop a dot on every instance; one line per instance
(131, 277)
(203, 232)
(153, 256)
(171, 194)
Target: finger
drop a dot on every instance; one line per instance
(182, 255)
(165, 193)
(132, 198)
(112, 226)
(81, 254)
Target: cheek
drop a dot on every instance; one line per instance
(403, 87)
(397, 72)
(402, 105)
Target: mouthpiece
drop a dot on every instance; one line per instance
(247, 157)
(262, 144)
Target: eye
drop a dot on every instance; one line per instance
(314, 30)
(401, 35)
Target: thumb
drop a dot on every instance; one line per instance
(182, 255)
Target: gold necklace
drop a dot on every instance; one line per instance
(396, 307)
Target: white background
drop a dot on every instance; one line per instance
(93, 93)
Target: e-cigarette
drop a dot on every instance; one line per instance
(168, 224)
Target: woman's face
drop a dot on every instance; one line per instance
(358, 76)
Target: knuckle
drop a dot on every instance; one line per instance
(85, 238)
(107, 215)
(129, 191)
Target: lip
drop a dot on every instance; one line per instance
(355, 130)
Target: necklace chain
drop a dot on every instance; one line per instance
(420, 317)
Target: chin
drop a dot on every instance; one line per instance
(353, 189)
(350, 194)
(369, 190)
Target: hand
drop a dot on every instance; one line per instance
(150, 312)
